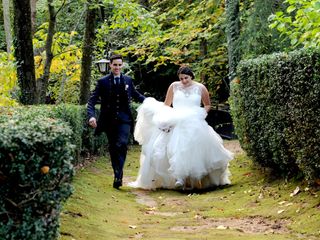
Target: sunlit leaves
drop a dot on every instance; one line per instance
(300, 23)
(8, 80)
(167, 33)
(127, 21)
(131, 16)
(185, 27)
(291, 9)
(65, 75)
(65, 66)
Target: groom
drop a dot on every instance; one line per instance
(115, 91)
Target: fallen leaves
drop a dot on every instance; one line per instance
(260, 196)
(45, 169)
(248, 174)
(295, 192)
(222, 227)
(285, 203)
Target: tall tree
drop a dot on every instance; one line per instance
(23, 50)
(87, 50)
(33, 5)
(7, 23)
(203, 53)
(233, 33)
(43, 81)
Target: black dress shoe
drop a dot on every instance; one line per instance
(117, 183)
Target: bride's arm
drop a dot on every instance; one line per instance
(169, 96)
(205, 98)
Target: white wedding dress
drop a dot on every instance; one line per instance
(177, 143)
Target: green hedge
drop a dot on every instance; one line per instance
(275, 105)
(39, 145)
(83, 136)
(75, 117)
(35, 175)
(33, 140)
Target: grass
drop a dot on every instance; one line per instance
(253, 207)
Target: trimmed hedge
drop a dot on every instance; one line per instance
(35, 175)
(75, 117)
(82, 134)
(39, 145)
(275, 105)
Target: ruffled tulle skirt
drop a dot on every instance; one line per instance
(177, 143)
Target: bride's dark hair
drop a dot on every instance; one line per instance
(185, 70)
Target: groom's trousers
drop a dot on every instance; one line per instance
(118, 138)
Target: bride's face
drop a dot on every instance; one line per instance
(185, 79)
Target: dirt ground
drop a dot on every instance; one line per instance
(247, 225)
(255, 224)
(233, 146)
(253, 207)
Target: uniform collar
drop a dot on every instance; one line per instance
(114, 76)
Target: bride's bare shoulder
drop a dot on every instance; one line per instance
(201, 85)
(175, 83)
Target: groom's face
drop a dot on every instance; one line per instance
(116, 66)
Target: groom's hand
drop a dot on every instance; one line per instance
(92, 122)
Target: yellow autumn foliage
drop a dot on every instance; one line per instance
(8, 79)
(64, 79)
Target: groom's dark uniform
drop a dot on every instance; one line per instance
(115, 117)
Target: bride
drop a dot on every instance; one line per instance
(179, 149)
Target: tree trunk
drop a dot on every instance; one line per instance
(7, 24)
(24, 51)
(233, 33)
(33, 5)
(87, 50)
(101, 13)
(203, 53)
(43, 81)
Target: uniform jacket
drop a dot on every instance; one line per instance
(104, 93)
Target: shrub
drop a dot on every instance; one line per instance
(275, 104)
(82, 134)
(75, 117)
(35, 175)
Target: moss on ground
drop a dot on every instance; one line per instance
(253, 207)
